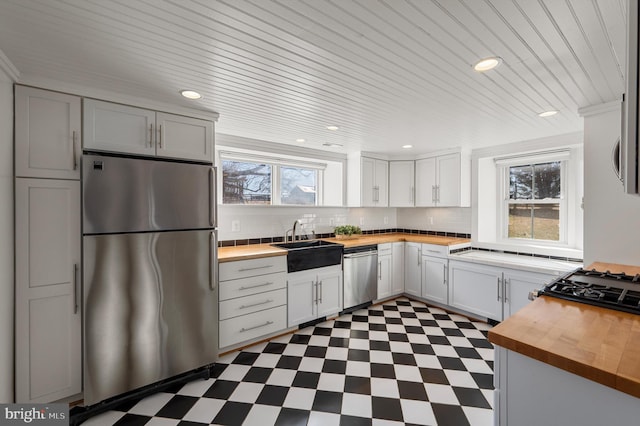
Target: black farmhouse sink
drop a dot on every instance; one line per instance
(310, 254)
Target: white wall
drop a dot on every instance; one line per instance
(6, 239)
(445, 219)
(611, 217)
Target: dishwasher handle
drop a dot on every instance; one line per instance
(361, 254)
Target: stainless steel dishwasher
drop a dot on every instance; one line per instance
(360, 275)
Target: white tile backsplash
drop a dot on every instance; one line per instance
(445, 219)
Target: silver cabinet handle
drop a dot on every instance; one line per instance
(314, 287)
(507, 284)
(433, 193)
(444, 274)
(254, 286)
(379, 271)
(213, 269)
(243, 329)
(419, 257)
(320, 285)
(254, 268)
(433, 251)
(151, 135)
(498, 289)
(75, 288)
(438, 193)
(255, 304)
(412, 193)
(160, 136)
(73, 150)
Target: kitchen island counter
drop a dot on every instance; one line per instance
(596, 343)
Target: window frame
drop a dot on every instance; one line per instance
(275, 163)
(504, 200)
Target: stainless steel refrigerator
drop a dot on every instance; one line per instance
(149, 272)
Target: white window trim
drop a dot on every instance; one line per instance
(503, 201)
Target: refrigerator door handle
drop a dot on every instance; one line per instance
(213, 259)
(213, 203)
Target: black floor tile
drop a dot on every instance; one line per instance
(315, 351)
(393, 321)
(232, 413)
(386, 409)
(274, 348)
(421, 348)
(389, 308)
(221, 389)
(454, 332)
(217, 370)
(354, 421)
(377, 327)
(398, 337)
(438, 340)
(449, 415)
(383, 371)
(428, 323)
(246, 358)
(412, 390)
(414, 329)
(300, 339)
(379, 345)
(339, 342)
(342, 324)
(328, 402)
(421, 309)
(358, 355)
(257, 375)
(484, 381)
(305, 379)
(375, 313)
(361, 385)
(188, 423)
(480, 343)
(408, 315)
(467, 353)
(292, 417)
(359, 318)
(465, 325)
(403, 359)
(289, 362)
(359, 334)
(403, 303)
(322, 331)
(177, 407)
(442, 317)
(432, 375)
(334, 366)
(451, 363)
(273, 395)
(132, 420)
(471, 397)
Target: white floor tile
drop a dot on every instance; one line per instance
(311, 364)
(262, 415)
(150, 405)
(246, 392)
(401, 347)
(381, 357)
(441, 394)
(435, 310)
(358, 368)
(387, 388)
(407, 373)
(300, 398)
(442, 350)
(331, 382)
(489, 395)
(377, 320)
(204, 410)
(359, 344)
(228, 358)
(337, 353)
(427, 361)
(460, 342)
(474, 334)
(235, 372)
(281, 377)
(478, 416)
(381, 336)
(354, 404)
(433, 331)
(196, 387)
(257, 348)
(267, 360)
(418, 338)
(446, 324)
(417, 412)
(392, 314)
(162, 421)
(476, 366)
(360, 326)
(482, 326)
(411, 321)
(295, 350)
(461, 379)
(317, 418)
(486, 354)
(395, 328)
(380, 422)
(341, 332)
(319, 341)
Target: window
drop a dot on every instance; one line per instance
(253, 179)
(534, 207)
(534, 201)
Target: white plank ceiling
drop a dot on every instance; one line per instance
(387, 72)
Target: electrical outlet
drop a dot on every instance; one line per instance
(331, 221)
(386, 220)
(430, 220)
(235, 226)
(361, 221)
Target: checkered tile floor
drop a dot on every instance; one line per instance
(397, 363)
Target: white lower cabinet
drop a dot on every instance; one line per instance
(491, 291)
(413, 269)
(252, 299)
(314, 294)
(48, 364)
(434, 279)
(385, 266)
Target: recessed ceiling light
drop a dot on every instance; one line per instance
(333, 127)
(300, 140)
(190, 94)
(407, 146)
(331, 144)
(487, 64)
(548, 113)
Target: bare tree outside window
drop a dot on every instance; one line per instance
(534, 201)
(246, 183)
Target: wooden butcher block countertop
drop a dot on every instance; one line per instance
(255, 251)
(599, 344)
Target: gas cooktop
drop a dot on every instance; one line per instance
(605, 289)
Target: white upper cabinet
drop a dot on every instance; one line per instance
(401, 183)
(126, 129)
(368, 182)
(48, 138)
(443, 181)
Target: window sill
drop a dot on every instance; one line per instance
(564, 252)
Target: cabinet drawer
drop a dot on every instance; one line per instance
(435, 250)
(247, 327)
(252, 285)
(384, 248)
(254, 303)
(252, 267)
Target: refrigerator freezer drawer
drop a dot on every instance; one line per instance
(247, 327)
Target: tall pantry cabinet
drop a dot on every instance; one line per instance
(48, 245)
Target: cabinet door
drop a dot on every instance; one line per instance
(448, 192)
(329, 284)
(48, 134)
(517, 285)
(367, 182)
(48, 318)
(426, 182)
(381, 183)
(476, 289)
(301, 297)
(413, 269)
(384, 276)
(434, 279)
(397, 275)
(401, 183)
(184, 137)
(118, 128)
